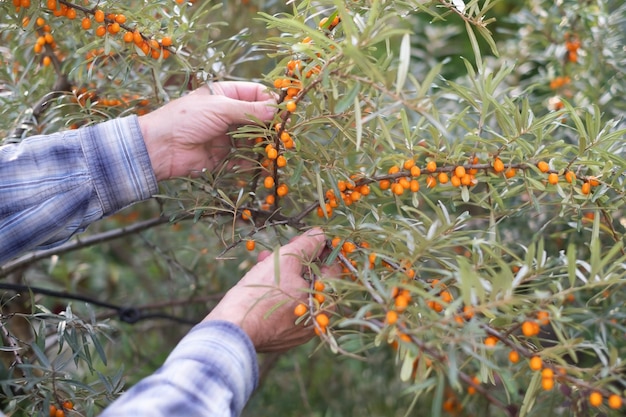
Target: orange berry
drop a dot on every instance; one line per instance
(282, 190)
(468, 312)
(553, 178)
(416, 171)
(322, 319)
(570, 177)
(595, 399)
(529, 328)
(586, 188)
(547, 384)
(319, 285)
(101, 31)
(401, 303)
(323, 22)
(40, 21)
(615, 401)
(52, 4)
(543, 317)
(128, 37)
(300, 310)
(281, 162)
(431, 166)
(86, 23)
(71, 13)
(498, 165)
(543, 166)
(593, 181)
(268, 182)
(59, 413)
(364, 189)
(291, 106)
(405, 183)
(384, 184)
(455, 181)
(547, 373)
(336, 241)
(491, 341)
(394, 170)
(250, 244)
(536, 364)
(46, 61)
(137, 38)
(246, 215)
(414, 186)
(348, 247)
(53, 410)
(408, 164)
(68, 405)
(272, 153)
(270, 199)
(459, 171)
(391, 317)
(431, 182)
(510, 173)
(513, 356)
(120, 18)
(443, 178)
(98, 16)
(397, 188)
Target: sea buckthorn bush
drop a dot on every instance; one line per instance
(465, 159)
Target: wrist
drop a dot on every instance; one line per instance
(154, 138)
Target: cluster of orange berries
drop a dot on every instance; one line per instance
(532, 328)
(349, 192)
(44, 38)
(322, 320)
(60, 411)
(572, 44)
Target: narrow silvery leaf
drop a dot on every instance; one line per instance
(358, 122)
(405, 60)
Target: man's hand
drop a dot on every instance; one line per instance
(190, 133)
(263, 301)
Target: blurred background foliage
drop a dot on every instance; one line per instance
(515, 92)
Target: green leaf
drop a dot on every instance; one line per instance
(405, 60)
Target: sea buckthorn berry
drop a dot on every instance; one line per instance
(98, 16)
(491, 341)
(416, 171)
(510, 173)
(615, 401)
(137, 38)
(71, 13)
(128, 37)
(397, 188)
(543, 166)
(431, 166)
(246, 214)
(270, 199)
(585, 188)
(348, 247)
(335, 242)
(101, 31)
(86, 23)
(468, 312)
(323, 22)
(268, 182)
(59, 413)
(405, 183)
(68, 405)
(459, 171)
(322, 319)
(53, 410)
(513, 356)
(393, 170)
(384, 184)
(414, 186)
(282, 190)
(46, 61)
(593, 181)
(291, 106)
(543, 317)
(408, 164)
(431, 182)
(455, 181)
(547, 384)
(535, 363)
(595, 399)
(250, 244)
(498, 165)
(40, 21)
(443, 178)
(52, 4)
(570, 177)
(530, 328)
(300, 310)
(281, 162)
(364, 189)
(120, 18)
(391, 317)
(272, 153)
(547, 373)
(553, 178)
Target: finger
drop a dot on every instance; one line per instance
(308, 246)
(242, 112)
(244, 90)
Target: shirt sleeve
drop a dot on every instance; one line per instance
(211, 372)
(53, 186)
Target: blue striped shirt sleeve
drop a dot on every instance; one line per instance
(211, 372)
(53, 186)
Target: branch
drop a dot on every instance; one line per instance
(79, 243)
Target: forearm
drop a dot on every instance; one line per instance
(52, 186)
(212, 372)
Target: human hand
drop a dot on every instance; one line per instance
(190, 133)
(263, 301)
